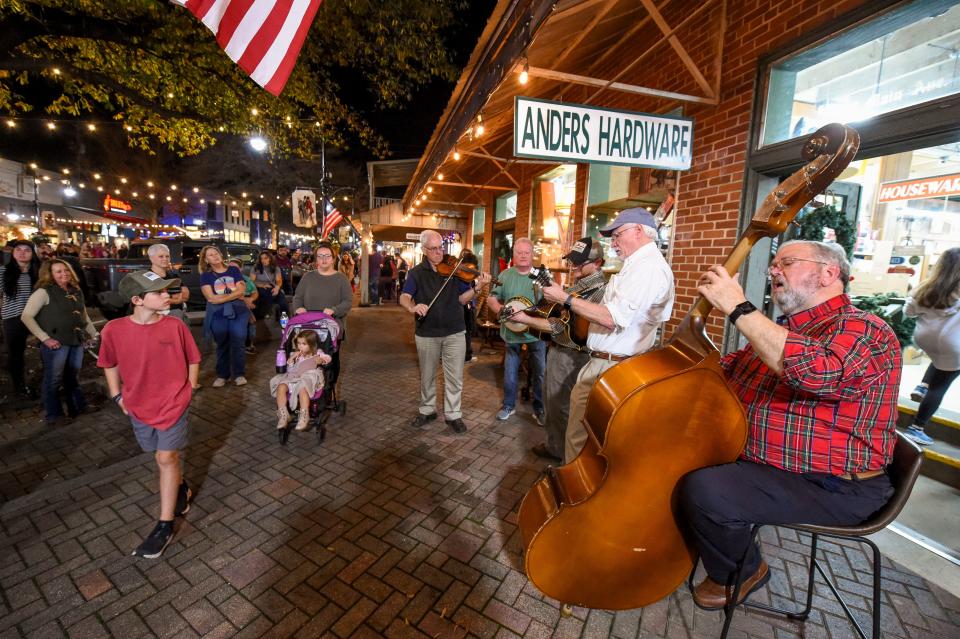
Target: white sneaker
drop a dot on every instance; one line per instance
(218, 382)
(240, 381)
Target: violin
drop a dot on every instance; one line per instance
(452, 266)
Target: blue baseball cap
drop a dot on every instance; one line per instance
(638, 215)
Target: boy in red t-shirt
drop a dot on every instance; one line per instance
(156, 360)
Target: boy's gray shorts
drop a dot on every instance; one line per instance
(152, 440)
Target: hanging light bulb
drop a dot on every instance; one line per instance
(480, 128)
(440, 177)
(456, 155)
(91, 126)
(525, 73)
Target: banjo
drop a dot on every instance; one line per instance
(541, 277)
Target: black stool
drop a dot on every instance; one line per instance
(903, 471)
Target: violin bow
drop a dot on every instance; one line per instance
(445, 282)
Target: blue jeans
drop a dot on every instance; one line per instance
(374, 289)
(537, 357)
(61, 366)
(230, 333)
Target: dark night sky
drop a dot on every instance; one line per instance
(407, 130)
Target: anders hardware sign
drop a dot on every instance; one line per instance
(560, 131)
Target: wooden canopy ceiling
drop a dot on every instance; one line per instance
(569, 49)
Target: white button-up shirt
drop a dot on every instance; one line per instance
(639, 298)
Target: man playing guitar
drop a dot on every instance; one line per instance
(565, 358)
(636, 300)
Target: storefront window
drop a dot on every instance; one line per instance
(553, 196)
(615, 188)
(479, 217)
(506, 207)
(906, 58)
(905, 209)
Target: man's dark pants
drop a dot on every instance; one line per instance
(718, 505)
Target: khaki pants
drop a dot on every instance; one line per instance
(431, 351)
(563, 365)
(576, 432)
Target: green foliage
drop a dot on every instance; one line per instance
(889, 308)
(813, 223)
(152, 66)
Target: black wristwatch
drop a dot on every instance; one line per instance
(741, 309)
(568, 303)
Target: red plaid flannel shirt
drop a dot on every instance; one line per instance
(835, 407)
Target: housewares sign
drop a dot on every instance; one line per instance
(939, 186)
(559, 131)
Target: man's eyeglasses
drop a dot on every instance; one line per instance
(432, 248)
(322, 256)
(787, 262)
(616, 234)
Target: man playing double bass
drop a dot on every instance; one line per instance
(564, 357)
(636, 300)
(819, 387)
(437, 302)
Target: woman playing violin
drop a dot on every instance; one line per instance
(437, 301)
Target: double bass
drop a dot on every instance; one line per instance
(600, 532)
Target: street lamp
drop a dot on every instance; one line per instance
(258, 144)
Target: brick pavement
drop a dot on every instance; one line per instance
(380, 531)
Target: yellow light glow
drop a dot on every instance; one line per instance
(56, 71)
(33, 165)
(150, 183)
(456, 155)
(11, 123)
(96, 176)
(196, 189)
(91, 127)
(65, 171)
(173, 187)
(51, 126)
(440, 177)
(123, 180)
(254, 111)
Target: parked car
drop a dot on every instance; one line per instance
(103, 275)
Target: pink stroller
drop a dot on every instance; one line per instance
(324, 401)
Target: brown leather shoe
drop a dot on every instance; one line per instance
(710, 595)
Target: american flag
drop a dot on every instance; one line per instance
(330, 222)
(263, 36)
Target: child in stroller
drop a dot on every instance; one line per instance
(300, 383)
(322, 398)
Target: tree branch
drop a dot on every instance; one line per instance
(93, 77)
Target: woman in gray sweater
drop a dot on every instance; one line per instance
(324, 289)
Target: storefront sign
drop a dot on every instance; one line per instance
(559, 131)
(939, 186)
(413, 236)
(113, 205)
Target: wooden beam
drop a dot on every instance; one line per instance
(700, 9)
(627, 37)
(670, 35)
(492, 187)
(500, 165)
(514, 160)
(575, 9)
(572, 78)
(583, 33)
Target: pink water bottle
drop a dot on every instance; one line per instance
(281, 361)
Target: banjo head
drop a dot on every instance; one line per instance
(513, 305)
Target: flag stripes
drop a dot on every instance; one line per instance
(263, 37)
(330, 222)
